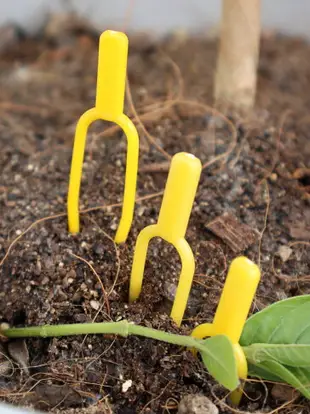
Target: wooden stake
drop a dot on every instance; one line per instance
(235, 80)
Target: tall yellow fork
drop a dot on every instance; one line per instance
(111, 78)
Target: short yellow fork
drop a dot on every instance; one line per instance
(233, 308)
(172, 223)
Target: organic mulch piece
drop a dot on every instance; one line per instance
(285, 253)
(53, 395)
(283, 392)
(300, 231)
(19, 352)
(238, 236)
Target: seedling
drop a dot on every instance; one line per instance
(233, 308)
(172, 223)
(217, 353)
(111, 77)
(275, 342)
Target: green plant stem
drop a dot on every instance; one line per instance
(217, 352)
(122, 328)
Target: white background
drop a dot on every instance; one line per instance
(156, 16)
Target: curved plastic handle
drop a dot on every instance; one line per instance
(172, 223)
(111, 77)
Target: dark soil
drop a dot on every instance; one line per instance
(262, 183)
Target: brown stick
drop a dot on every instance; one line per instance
(235, 80)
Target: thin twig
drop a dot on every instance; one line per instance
(41, 220)
(118, 261)
(265, 223)
(141, 125)
(52, 217)
(275, 158)
(156, 398)
(170, 103)
(106, 298)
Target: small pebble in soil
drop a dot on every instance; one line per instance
(83, 287)
(61, 295)
(38, 268)
(95, 304)
(285, 252)
(169, 290)
(273, 177)
(283, 392)
(45, 281)
(5, 368)
(85, 245)
(67, 281)
(140, 211)
(126, 385)
(197, 404)
(98, 249)
(71, 274)
(114, 225)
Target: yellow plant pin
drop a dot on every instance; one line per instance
(111, 78)
(232, 311)
(179, 195)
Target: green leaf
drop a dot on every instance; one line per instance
(284, 322)
(294, 355)
(276, 342)
(260, 372)
(218, 357)
(299, 378)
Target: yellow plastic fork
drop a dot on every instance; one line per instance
(111, 78)
(232, 311)
(172, 223)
